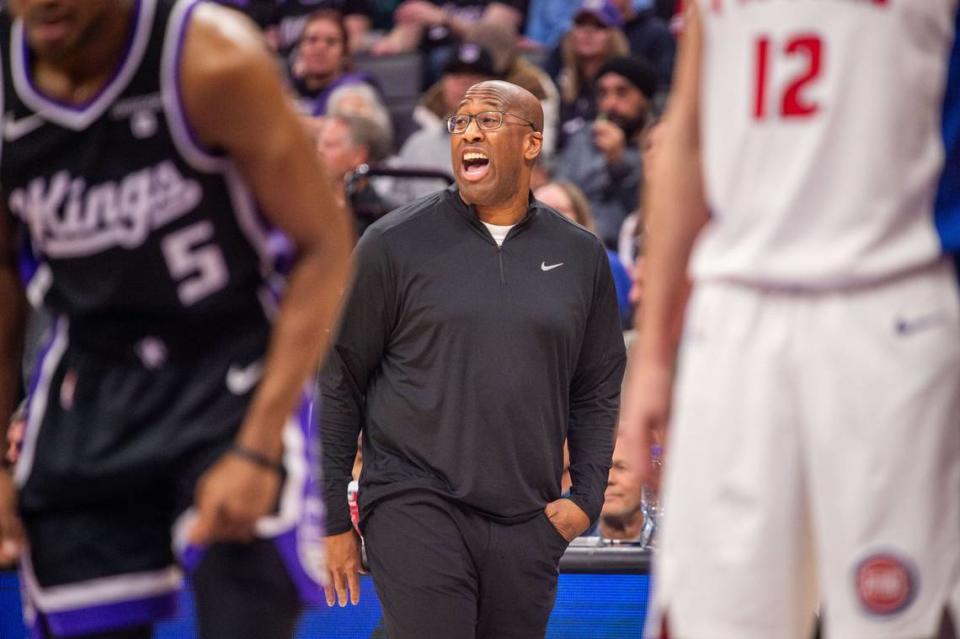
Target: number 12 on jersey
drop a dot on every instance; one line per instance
(791, 103)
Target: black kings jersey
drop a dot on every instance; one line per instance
(131, 219)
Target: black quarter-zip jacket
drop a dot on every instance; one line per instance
(466, 364)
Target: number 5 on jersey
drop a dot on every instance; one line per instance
(197, 265)
(792, 102)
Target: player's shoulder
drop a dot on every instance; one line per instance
(221, 42)
(225, 64)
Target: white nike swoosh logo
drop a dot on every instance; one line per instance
(907, 326)
(242, 379)
(544, 267)
(16, 129)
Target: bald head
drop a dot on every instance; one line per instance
(493, 161)
(504, 96)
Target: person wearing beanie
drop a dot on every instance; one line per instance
(603, 158)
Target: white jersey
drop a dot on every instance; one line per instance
(823, 138)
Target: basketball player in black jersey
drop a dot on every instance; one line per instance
(155, 177)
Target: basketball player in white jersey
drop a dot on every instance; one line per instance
(813, 455)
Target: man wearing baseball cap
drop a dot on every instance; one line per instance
(603, 11)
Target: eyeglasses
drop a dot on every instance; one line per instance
(486, 121)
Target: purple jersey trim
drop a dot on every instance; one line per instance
(311, 592)
(312, 526)
(27, 261)
(297, 544)
(177, 59)
(124, 614)
(79, 108)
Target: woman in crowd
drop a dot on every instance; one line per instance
(322, 62)
(362, 100)
(594, 38)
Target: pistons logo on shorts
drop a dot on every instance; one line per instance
(885, 584)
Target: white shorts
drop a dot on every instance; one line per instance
(814, 460)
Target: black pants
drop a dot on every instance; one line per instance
(243, 591)
(442, 571)
(120, 450)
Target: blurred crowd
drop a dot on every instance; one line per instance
(601, 68)
(377, 79)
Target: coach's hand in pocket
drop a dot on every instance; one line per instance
(568, 518)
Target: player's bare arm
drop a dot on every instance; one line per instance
(676, 211)
(234, 99)
(11, 345)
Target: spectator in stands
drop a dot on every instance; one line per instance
(322, 61)
(362, 100)
(289, 18)
(604, 158)
(347, 142)
(429, 147)
(549, 20)
(594, 38)
(621, 517)
(630, 245)
(567, 199)
(437, 26)
(650, 39)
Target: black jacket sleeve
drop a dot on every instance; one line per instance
(354, 358)
(595, 394)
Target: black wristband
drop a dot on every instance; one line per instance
(257, 458)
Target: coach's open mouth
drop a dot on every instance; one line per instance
(475, 164)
